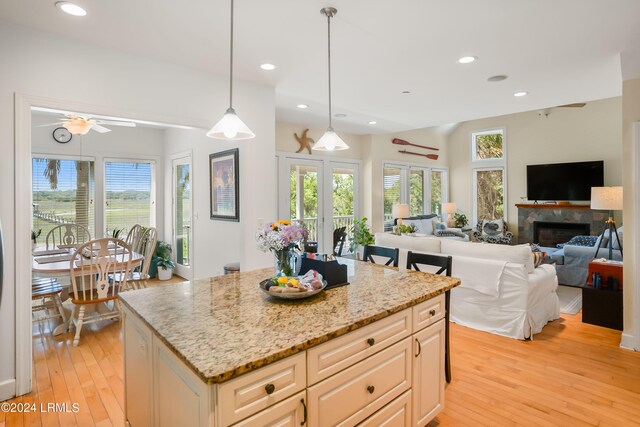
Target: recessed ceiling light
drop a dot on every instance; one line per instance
(467, 59)
(498, 78)
(521, 93)
(340, 115)
(302, 106)
(373, 122)
(70, 8)
(268, 67)
(406, 92)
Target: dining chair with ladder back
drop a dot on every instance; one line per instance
(392, 254)
(139, 276)
(339, 238)
(443, 264)
(93, 267)
(65, 236)
(45, 296)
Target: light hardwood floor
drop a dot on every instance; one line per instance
(571, 374)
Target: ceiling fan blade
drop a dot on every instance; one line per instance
(574, 105)
(51, 124)
(116, 123)
(100, 129)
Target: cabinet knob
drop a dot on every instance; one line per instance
(371, 341)
(432, 312)
(270, 388)
(371, 389)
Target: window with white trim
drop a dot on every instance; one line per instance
(424, 189)
(129, 194)
(62, 193)
(489, 164)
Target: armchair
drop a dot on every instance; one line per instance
(493, 231)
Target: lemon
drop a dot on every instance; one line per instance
(293, 281)
(282, 280)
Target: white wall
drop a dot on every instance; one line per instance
(566, 135)
(286, 141)
(122, 143)
(119, 84)
(631, 289)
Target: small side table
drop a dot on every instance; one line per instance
(603, 306)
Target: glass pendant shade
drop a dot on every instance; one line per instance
(330, 141)
(230, 127)
(77, 127)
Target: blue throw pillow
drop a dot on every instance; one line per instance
(583, 241)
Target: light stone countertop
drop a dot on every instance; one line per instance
(225, 326)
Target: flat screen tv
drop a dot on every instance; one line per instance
(564, 181)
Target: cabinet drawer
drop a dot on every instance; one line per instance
(342, 352)
(395, 414)
(247, 394)
(359, 391)
(288, 413)
(428, 312)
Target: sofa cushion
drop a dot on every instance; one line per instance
(614, 242)
(422, 225)
(492, 227)
(538, 257)
(417, 244)
(519, 254)
(581, 241)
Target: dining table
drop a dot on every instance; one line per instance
(56, 262)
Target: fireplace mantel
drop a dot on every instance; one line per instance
(551, 206)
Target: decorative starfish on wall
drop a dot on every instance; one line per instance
(304, 141)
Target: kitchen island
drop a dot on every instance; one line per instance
(219, 352)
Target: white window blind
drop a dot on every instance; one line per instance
(129, 195)
(392, 187)
(63, 193)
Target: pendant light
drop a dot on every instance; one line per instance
(230, 126)
(330, 141)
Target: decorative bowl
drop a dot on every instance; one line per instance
(292, 295)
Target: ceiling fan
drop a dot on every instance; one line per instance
(79, 125)
(547, 111)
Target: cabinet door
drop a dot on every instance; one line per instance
(395, 414)
(289, 413)
(138, 380)
(428, 373)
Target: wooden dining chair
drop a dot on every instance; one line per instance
(45, 296)
(443, 263)
(339, 238)
(134, 238)
(67, 236)
(92, 268)
(393, 254)
(139, 276)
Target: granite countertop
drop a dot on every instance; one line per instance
(225, 326)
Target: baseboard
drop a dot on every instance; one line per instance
(7, 389)
(629, 342)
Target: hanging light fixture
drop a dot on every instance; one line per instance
(230, 126)
(330, 141)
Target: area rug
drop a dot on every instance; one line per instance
(570, 299)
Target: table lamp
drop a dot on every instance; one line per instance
(400, 211)
(449, 209)
(610, 199)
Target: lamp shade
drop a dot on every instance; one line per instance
(606, 198)
(449, 207)
(77, 126)
(400, 211)
(330, 141)
(230, 127)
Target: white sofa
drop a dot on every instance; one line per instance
(500, 292)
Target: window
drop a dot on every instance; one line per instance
(129, 194)
(487, 145)
(424, 189)
(62, 192)
(489, 161)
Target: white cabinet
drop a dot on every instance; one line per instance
(138, 375)
(289, 413)
(395, 414)
(428, 373)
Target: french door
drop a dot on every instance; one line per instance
(181, 175)
(321, 194)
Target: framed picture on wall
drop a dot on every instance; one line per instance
(224, 185)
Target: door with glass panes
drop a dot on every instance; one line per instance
(182, 218)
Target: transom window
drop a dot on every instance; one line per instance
(489, 166)
(488, 145)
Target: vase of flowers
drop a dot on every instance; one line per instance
(284, 239)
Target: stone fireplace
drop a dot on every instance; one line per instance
(549, 234)
(557, 223)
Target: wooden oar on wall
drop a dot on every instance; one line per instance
(428, 156)
(399, 141)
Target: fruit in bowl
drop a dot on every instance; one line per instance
(311, 281)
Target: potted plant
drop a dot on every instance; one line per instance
(360, 236)
(34, 237)
(460, 220)
(161, 260)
